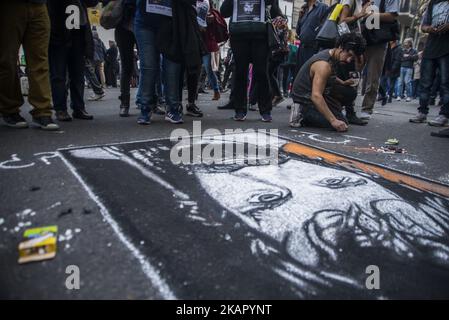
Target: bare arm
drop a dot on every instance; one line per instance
(346, 14)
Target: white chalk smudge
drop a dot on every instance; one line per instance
(14, 158)
(57, 204)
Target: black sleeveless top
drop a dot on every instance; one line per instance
(302, 86)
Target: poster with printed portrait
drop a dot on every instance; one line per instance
(249, 10)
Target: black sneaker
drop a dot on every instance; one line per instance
(15, 121)
(45, 123)
(441, 134)
(353, 119)
(82, 114)
(124, 112)
(193, 111)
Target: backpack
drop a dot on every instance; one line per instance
(219, 27)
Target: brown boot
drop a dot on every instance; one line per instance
(216, 95)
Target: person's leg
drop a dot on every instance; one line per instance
(273, 79)
(242, 51)
(58, 55)
(285, 79)
(428, 70)
(415, 88)
(392, 88)
(125, 41)
(149, 59)
(76, 63)
(382, 90)
(192, 85)
(192, 93)
(375, 56)
(99, 69)
(253, 93)
(172, 73)
(313, 118)
(435, 88)
(93, 80)
(443, 63)
(35, 44)
(259, 53)
(13, 24)
(408, 83)
(226, 76)
(400, 84)
(211, 75)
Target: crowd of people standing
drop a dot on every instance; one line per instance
(165, 46)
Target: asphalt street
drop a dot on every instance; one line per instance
(130, 242)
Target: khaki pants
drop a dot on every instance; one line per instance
(27, 24)
(375, 55)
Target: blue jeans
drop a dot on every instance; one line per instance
(207, 62)
(407, 78)
(149, 70)
(428, 73)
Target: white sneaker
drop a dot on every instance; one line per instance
(408, 99)
(365, 116)
(296, 116)
(398, 99)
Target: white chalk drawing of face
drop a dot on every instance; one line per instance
(248, 8)
(308, 208)
(304, 212)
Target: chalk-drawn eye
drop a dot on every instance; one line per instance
(341, 182)
(268, 199)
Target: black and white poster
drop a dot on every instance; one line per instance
(249, 10)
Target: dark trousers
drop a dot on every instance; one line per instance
(345, 94)
(68, 60)
(110, 71)
(415, 88)
(392, 85)
(435, 90)
(125, 42)
(313, 118)
(339, 95)
(273, 71)
(253, 51)
(192, 79)
(428, 74)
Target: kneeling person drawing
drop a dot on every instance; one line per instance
(318, 94)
